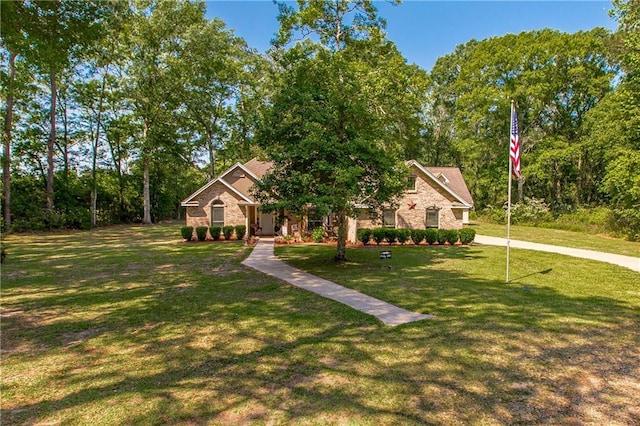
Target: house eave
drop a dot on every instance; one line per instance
(439, 182)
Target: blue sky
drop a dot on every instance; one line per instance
(426, 30)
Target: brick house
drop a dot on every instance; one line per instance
(436, 197)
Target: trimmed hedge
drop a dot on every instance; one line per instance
(390, 234)
(447, 236)
(417, 235)
(215, 232)
(241, 230)
(452, 236)
(378, 235)
(187, 232)
(431, 235)
(403, 235)
(227, 231)
(201, 233)
(364, 235)
(467, 235)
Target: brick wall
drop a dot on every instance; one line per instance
(413, 216)
(201, 215)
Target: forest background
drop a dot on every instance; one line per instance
(113, 112)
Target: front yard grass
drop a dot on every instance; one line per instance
(128, 325)
(560, 237)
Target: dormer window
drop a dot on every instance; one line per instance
(442, 178)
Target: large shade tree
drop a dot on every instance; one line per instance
(614, 124)
(154, 40)
(555, 79)
(341, 108)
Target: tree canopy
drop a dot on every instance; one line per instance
(335, 125)
(115, 111)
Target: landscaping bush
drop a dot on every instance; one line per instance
(364, 235)
(390, 234)
(431, 235)
(187, 232)
(317, 235)
(403, 235)
(417, 235)
(452, 236)
(227, 231)
(240, 231)
(201, 233)
(378, 235)
(442, 236)
(215, 232)
(467, 235)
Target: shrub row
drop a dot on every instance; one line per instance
(214, 232)
(417, 236)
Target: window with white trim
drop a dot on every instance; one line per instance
(389, 218)
(217, 213)
(412, 184)
(433, 218)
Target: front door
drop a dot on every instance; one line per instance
(266, 222)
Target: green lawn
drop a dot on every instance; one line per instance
(128, 325)
(561, 238)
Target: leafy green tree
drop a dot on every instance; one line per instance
(12, 14)
(215, 68)
(614, 125)
(153, 39)
(555, 79)
(627, 37)
(335, 119)
(58, 31)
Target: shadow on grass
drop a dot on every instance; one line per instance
(181, 344)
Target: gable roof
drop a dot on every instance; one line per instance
(454, 182)
(257, 167)
(190, 200)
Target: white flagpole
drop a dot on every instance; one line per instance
(509, 196)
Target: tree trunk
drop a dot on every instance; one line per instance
(520, 189)
(341, 255)
(212, 157)
(52, 139)
(146, 191)
(64, 149)
(8, 123)
(94, 165)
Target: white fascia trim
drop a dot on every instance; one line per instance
(439, 182)
(247, 171)
(188, 202)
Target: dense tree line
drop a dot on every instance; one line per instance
(115, 111)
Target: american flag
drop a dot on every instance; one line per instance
(514, 145)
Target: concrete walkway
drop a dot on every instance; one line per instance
(263, 259)
(630, 262)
